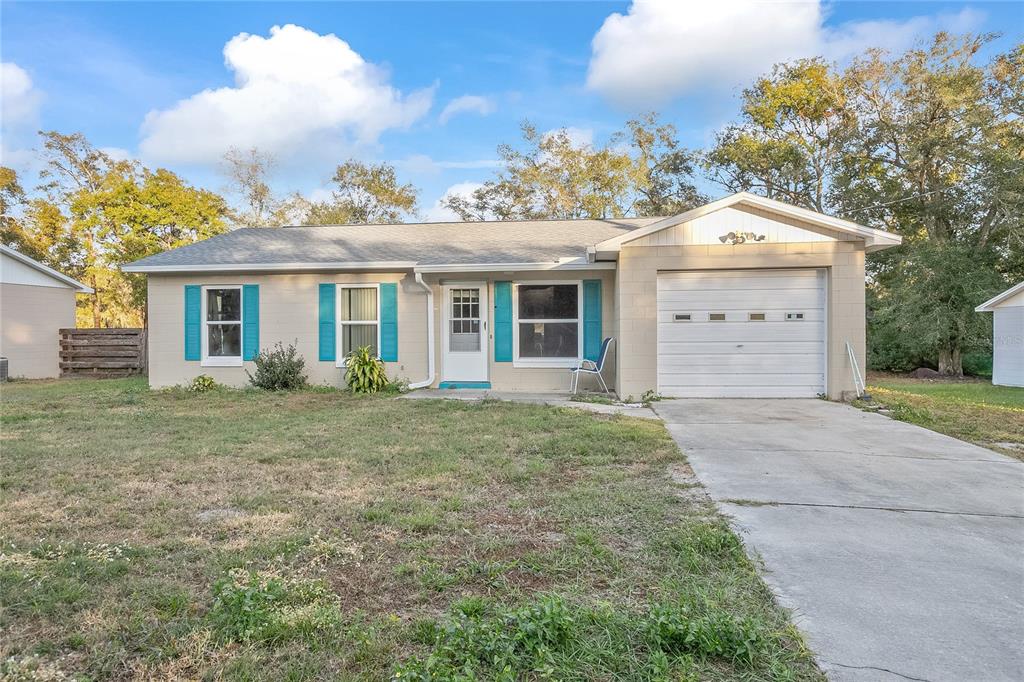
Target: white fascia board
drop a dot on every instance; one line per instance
(991, 304)
(571, 264)
(46, 270)
(874, 240)
(271, 267)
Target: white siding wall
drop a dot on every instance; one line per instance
(1008, 344)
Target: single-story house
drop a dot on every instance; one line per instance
(36, 302)
(744, 296)
(1007, 311)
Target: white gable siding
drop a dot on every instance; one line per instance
(709, 228)
(1008, 343)
(15, 272)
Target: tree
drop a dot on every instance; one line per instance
(795, 126)
(643, 170)
(97, 213)
(247, 173)
(927, 144)
(363, 194)
(937, 157)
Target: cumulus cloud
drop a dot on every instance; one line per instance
(19, 97)
(467, 104)
(438, 212)
(293, 90)
(664, 48)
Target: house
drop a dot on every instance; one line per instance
(35, 302)
(745, 296)
(1007, 335)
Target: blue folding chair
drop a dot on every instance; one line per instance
(591, 367)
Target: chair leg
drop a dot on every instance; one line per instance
(604, 385)
(573, 382)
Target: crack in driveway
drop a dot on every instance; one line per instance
(767, 503)
(875, 667)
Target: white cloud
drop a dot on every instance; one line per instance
(579, 137)
(294, 90)
(422, 164)
(117, 153)
(465, 104)
(438, 212)
(20, 99)
(664, 48)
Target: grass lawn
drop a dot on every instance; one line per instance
(974, 411)
(245, 535)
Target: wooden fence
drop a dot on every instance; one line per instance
(102, 352)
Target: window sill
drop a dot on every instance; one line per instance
(553, 363)
(221, 362)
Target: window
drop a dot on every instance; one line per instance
(794, 316)
(755, 317)
(464, 334)
(222, 316)
(548, 323)
(681, 317)
(716, 317)
(358, 315)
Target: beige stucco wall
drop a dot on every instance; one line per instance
(505, 376)
(289, 313)
(289, 305)
(638, 289)
(29, 319)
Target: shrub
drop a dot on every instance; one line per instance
(365, 372)
(681, 629)
(202, 384)
(278, 369)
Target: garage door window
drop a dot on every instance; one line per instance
(547, 324)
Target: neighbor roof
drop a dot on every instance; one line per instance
(46, 270)
(994, 302)
(392, 246)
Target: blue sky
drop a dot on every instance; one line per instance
(429, 87)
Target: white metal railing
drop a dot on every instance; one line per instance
(858, 380)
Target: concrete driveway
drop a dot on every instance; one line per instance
(899, 550)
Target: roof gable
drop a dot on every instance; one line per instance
(46, 271)
(1012, 296)
(812, 222)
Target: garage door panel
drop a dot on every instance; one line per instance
(772, 299)
(739, 357)
(754, 363)
(724, 332)
(741, 392)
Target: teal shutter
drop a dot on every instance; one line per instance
(327, 329)
(193, 323)
(503, 321)
(591, 319)
(389, 322)
(250, 321)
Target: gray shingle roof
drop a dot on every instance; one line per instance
(533, 241)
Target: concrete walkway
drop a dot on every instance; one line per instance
(899, 550)
(554, 399)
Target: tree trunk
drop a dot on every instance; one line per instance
(951, 361)
(95, 303)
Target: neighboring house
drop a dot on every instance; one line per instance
(35, 302)
(1007, 335)
(742, 297)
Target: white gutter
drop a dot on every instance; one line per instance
(430, 334)
(273, 267)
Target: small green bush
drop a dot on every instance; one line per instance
(202, 384)
(680, 629)
(364, 372)
(278, 369)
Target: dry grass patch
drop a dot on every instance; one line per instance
(245, 535)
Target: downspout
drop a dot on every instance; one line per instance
(430, 334)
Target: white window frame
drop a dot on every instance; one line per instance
(338, 336)
(518, 361)
(221, 360)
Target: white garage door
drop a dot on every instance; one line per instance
(741, 334)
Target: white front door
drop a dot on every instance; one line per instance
(465, 332)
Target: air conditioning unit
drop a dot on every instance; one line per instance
(3, 369)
